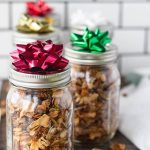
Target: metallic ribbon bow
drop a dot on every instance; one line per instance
(39, 57)
(38, 9)
(29, 24)
(90, 41)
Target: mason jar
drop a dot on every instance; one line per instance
(95, 89)
(24, 38)
(32, 28)
(39, 111)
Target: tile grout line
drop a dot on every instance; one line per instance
(66, 15)
(10, 15)
(132, 28)
(4, 56)
(146, 41)
(120, 14)
(119, 63)
(4, 29)
(11, 18)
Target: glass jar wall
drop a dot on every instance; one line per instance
(95, 91)
(95, 88)
(39, 118)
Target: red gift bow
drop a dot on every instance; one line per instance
(39, 57)
(38, 9)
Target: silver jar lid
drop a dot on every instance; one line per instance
(59, 79)
(24, 38)
(86, 58)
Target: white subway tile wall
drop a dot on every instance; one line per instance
(148, 35)
(5, 42)
(4, 9)
(4, 69)
(129, 40)
(130, 18)
(134, 62)
(59, 8)
(137, 14)
(17, 10)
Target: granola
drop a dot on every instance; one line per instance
(118, 147)
(95, 93)
(40, 119)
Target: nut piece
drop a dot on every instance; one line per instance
(118, 147)
(34, 145)
(44, 120)
(96, 149)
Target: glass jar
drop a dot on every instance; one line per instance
(95, 88)
(79, 29)
(39, 112)
(25, 38)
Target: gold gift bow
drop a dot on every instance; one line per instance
(31, 24)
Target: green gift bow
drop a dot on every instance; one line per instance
(91, 41)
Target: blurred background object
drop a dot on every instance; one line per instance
(80, 20)
(38, 22)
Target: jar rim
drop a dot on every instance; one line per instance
(40, 81)
(110, 55)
